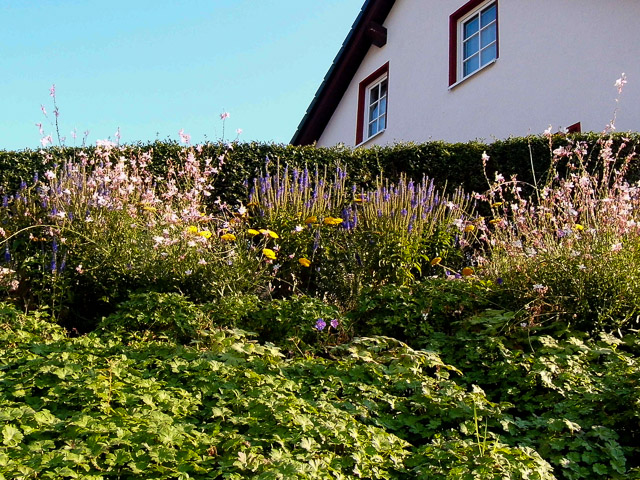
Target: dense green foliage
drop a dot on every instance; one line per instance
(454, 164)
(336, 314)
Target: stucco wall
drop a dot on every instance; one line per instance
(558, 62)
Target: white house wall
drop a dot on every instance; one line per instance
(557, 65)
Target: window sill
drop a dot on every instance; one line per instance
(451, 87)
(364, 142)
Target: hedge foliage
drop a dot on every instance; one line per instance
(452, 164)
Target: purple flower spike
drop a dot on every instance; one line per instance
(335, 323)
(320, 324)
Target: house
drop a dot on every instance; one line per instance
(460, 70)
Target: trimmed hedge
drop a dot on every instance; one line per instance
(452, 164)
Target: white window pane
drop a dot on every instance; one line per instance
(373, 97)
(373, 129)
(488, 54)
(373, 112)
(488, 35)
(471, 47)
(488, 16)
(471, 65)
(471, 27)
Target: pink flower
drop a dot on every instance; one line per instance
(621, 82)
(105, 143)
(44, 141)
(224, 115)
(184, 137)
(239, 131)
(44, 110)
(52, 90)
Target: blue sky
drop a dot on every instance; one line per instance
(152, 68)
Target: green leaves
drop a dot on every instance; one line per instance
(11, 436)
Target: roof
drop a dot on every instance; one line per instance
(367, 30)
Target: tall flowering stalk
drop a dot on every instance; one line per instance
(338, 231)
(561, 250)
(108, 217)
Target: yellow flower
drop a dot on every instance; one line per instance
(205, 234)
(304, 262)
(497, 204)
(578, 227)
(148, 208)
(359, 198)
(253, 232)
(469, 228)
(266, 231)
(436, 261)
(192, 230)
(312, 219)
(467, 271)
(332, 221)
(270, 254)
(228, 237)
(494, 221)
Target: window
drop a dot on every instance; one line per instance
(373, 104)
(473, 39)
(377, 101)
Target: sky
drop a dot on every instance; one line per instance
(153, 68)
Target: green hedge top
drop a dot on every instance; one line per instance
(453, 164)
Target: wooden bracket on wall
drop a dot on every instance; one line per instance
(377, 34)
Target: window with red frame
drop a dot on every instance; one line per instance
(473, 39)
(373, 95)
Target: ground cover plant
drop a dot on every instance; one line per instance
(311, 326)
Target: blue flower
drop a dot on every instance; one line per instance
(320, 325)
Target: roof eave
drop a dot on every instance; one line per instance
(355, 47)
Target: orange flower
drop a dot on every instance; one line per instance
(332, 221)
(436, 261)
(304, 262)
(467, 271)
